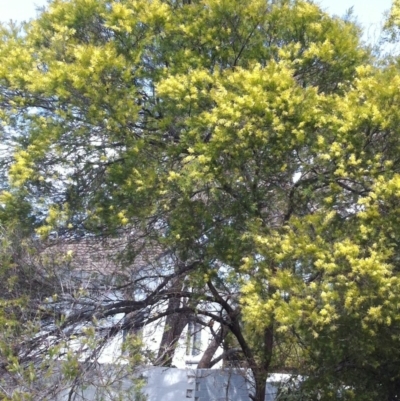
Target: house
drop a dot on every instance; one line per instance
(93, 283)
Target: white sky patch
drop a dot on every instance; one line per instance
(368, 12)
(296, 176)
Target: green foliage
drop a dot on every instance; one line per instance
(256, 137)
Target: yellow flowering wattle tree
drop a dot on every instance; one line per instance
(254, 142)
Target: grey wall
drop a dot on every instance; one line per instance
(169, 384)
(195, 385)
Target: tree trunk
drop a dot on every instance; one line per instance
(174, 325)
(261, 373)
(260, 379)
(206, 360)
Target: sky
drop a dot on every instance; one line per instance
(369, 12)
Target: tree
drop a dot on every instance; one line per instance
(253, 144)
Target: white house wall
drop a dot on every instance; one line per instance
(151, 337)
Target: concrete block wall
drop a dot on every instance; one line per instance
(168, 384)
(171, 384)
(220, 385)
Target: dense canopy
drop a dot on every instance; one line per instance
(252, 144)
